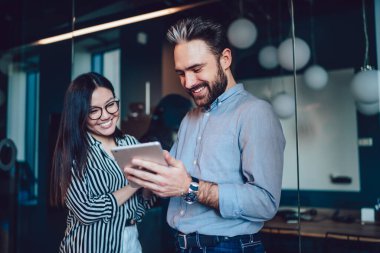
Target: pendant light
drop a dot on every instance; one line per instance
(285, 53)
(268, 54)
(242, 32)
(365, 84)
(283, 105)
(315, 76)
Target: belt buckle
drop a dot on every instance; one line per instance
(184, 244)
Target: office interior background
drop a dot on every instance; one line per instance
(328, 105)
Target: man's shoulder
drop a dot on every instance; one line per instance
(249, 101)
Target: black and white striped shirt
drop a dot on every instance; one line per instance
(95, 222)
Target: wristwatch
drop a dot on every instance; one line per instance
(192, 193)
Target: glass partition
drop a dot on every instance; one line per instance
(335, 140)
(33, 79)
(140, 64)
(328, 106)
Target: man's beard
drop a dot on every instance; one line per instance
(216, 88)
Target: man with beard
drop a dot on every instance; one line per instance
(225, 168)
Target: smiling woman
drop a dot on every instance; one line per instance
(86, 178)
(102, 123)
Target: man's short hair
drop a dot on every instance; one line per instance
(210, 31)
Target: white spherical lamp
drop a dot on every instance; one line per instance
(315, 77)
(285, 54)
(368, 108)
(283, 105)
(268, 57)
(365, 86)
(242, 33)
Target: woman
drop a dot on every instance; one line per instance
(103, 208)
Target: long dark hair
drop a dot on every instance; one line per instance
(72, 145)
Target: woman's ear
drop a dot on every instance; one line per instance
(226, 58)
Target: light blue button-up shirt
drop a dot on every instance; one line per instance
(237, 143)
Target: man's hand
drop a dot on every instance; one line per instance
(164, 181)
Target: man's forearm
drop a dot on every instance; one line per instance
(208, 194)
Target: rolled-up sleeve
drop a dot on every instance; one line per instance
(87, 206)
(262, 144)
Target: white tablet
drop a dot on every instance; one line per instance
(151, 151)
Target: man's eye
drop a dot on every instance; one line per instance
(197, 70)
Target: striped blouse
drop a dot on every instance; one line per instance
(95, 222)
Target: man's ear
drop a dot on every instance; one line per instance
(226, 58)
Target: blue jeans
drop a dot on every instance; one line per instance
(235, 246)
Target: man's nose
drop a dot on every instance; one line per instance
(190, 80)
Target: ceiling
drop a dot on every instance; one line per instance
(25, 21)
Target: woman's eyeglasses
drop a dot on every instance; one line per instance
(111, 107)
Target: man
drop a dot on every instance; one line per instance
(225, 168)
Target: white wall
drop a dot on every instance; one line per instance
(82, 62)
(16, 109)
(327, 131)
(111, 70)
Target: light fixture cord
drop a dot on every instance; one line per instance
(312, 33)
(73, 20)
(280, 29)
(365, 65)
(241, 8)
(269, 27)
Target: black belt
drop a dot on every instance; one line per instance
(198, 240)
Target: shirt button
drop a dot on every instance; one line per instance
(207, 114)
(182, 212)
(199, 138)
(195, 162)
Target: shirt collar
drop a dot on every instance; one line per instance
(94, 142)
(91, 140)
(237, 88)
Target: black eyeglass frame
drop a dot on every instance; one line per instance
(115, 100)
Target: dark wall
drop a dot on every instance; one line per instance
(141, 63)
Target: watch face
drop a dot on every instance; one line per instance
(191, 197)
